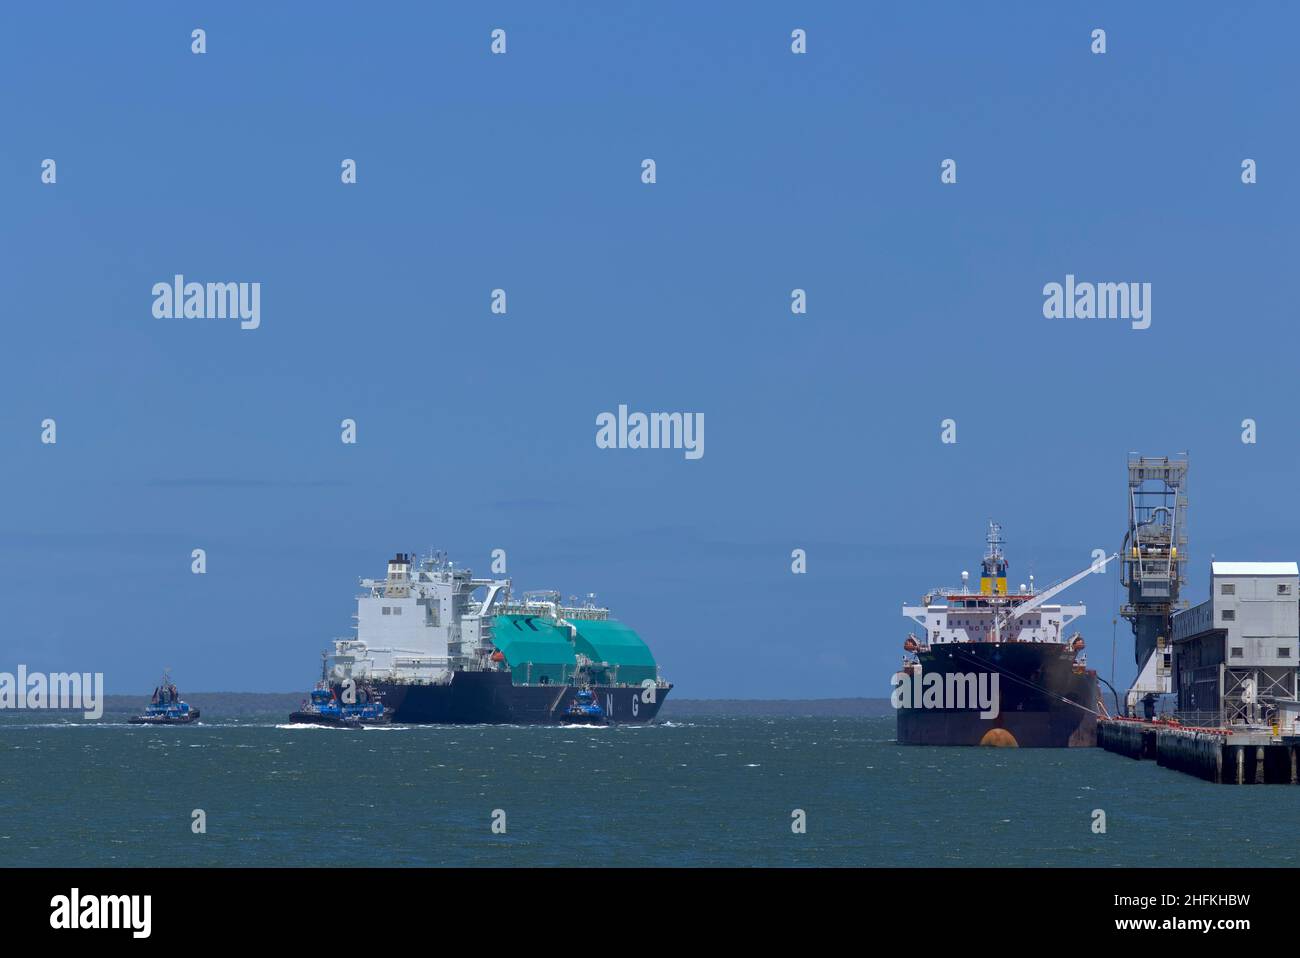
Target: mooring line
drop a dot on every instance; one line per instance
(1016, 678)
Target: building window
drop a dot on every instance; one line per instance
(1228, 588)
(1229, 615)
(1283, 588)
(1284, 652)
(1236, 651)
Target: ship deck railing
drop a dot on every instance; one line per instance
(579, 612)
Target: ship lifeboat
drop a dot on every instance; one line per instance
(1077, 645)
(911, 645)
(498, 656)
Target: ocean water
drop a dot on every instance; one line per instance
(705, 790)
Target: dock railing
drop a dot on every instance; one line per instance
(1197, 719)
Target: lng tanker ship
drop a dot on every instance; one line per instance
(994, 667)
(434, 644)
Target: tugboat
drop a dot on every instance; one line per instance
(369, 712)
(584, 710)
(166, 707)
(326, 709)
(323, 709)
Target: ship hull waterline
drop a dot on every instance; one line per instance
(491, 698)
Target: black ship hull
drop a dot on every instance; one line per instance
(491, 698)
(1044, 699)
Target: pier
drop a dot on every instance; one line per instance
(1226, 756)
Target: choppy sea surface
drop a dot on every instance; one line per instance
(702, 790)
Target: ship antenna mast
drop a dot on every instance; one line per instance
(993, 576)
(995, 541)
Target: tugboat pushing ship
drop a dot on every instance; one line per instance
(1009, 644)
(436, 645)
(326, 707)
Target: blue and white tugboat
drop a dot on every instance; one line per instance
(166, 707)
(325, 708)
(584, 710)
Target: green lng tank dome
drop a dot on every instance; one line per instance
(435, 644)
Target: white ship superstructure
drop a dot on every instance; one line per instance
(419, 623)
(993, 614)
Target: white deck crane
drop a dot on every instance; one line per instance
(1098, 565)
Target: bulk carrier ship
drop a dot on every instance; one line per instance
(434, 645)
(1009, 643)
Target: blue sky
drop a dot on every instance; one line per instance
(522, 171)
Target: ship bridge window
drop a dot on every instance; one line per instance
(1228, 588)
(388, 610)
(1229, 615)
(1236, 652)
(1283, 588)
(1284, 652)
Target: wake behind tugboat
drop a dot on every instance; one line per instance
(166, 707)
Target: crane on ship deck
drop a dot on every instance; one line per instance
(1015, 612)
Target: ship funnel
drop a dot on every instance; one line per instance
(399, 575)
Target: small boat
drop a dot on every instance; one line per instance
(324, 708)
(584, 710)
(166, 707)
